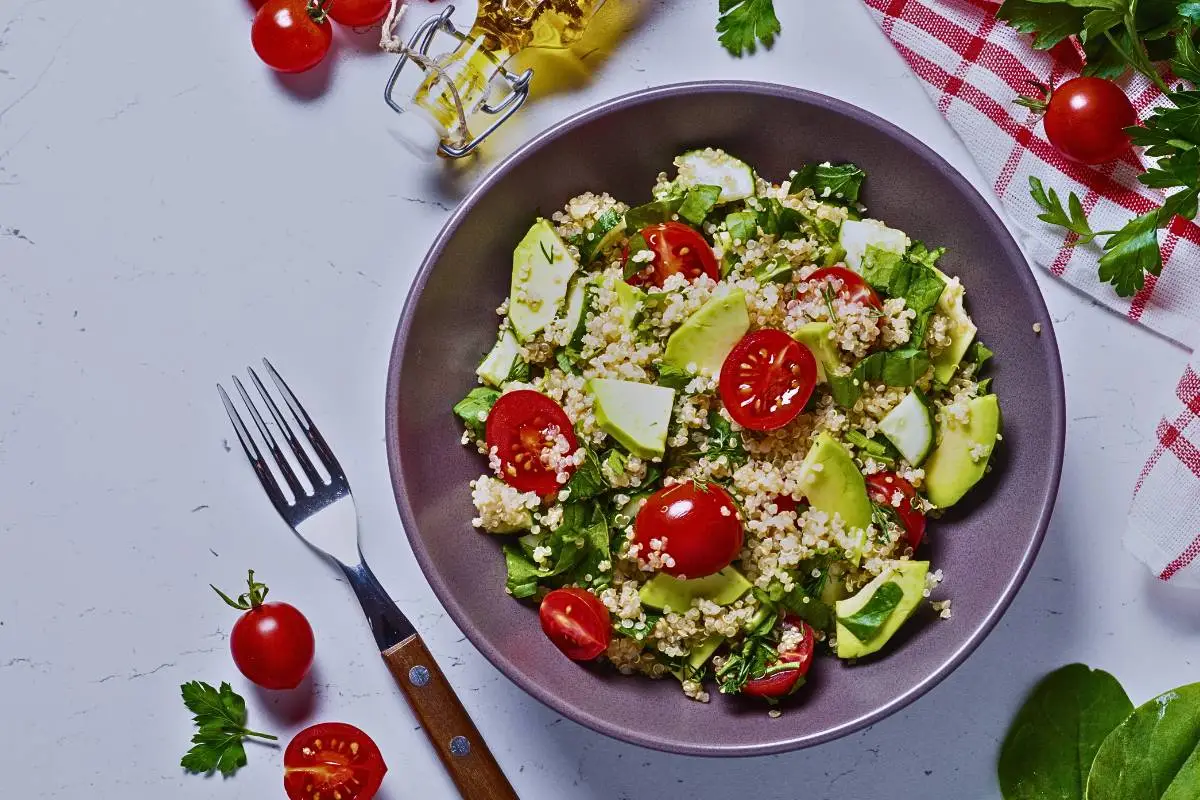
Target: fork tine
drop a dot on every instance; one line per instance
(306, 424)
(252, 453)
(285, 468)
(301, 455)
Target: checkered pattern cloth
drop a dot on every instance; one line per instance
(973, 67)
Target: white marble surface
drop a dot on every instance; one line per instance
(170, 211)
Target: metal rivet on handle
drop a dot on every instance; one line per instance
(418, 675)
(459, 746)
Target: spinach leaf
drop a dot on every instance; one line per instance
(978, 354)
(653, 212)
(523, 574)
(902, 367)
(519, 371)
(478, 401)
(722, 441)
(834, 184)
(566, 359)
(913, 279)
(1054, 737)
(698, 203)
(1153, 754)
(776, 219)
(867, 621)
(918, 253)
(637, 243)
(639, 630)
(742, 225)
(588, 481)
(615, 461)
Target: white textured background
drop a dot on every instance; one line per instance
(170, 210)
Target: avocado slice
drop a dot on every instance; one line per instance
(542, 266)
(878, 610)
(816, 337)
(666, 591)
(495, 368)
(702, 652)
(707, 336)
(962, 329)
(635, 414)
(857, 235)
(960, 459)
(832, 483)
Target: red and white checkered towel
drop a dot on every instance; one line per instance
(973, 67)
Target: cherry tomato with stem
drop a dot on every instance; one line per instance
(528, 431)
(358, 13)
(784, 676)
(882, 488)
(332, 759)
(677, 249)
(1085, 118)
(767, 379)
(696, 527)
(576, 622)
(272, 643)
(292, 35)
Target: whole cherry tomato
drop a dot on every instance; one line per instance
(291, 35)
(358, 13)
(1086, 118)
(696, 526)
(272, 643)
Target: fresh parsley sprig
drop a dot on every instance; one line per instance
(1118, 35)
(221, 717)
(745, 23)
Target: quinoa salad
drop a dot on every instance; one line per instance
(714, 426)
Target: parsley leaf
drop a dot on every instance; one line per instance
(588, 480)
(221, 717)
(833, 183)
(722, 441)
(1055, 214)
(1050, 22)
(1132, 252)
(744, 23)
(698, 203)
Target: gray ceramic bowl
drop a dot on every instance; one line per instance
(985, 548)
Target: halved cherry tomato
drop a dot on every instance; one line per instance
(676, 248)
(358, 13)
(291, 35)
(882, 487)
(780, 684)
(331, 760)
(696, 527)
(766, 379)
(854, 289)
(577, 622)
(524, 427)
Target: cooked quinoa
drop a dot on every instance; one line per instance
(803, 563)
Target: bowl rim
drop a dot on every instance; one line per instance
(1057, 406)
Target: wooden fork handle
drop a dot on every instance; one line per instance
(458, 743)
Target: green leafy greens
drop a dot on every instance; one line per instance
(479, 401)
(902, 367)
(1054, 738)
(1078, 737)
(867, 621)
(221, 717)
(745, 23)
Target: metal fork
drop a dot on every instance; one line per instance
(320, 509)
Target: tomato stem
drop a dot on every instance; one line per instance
(247, 600)
(318, 10)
